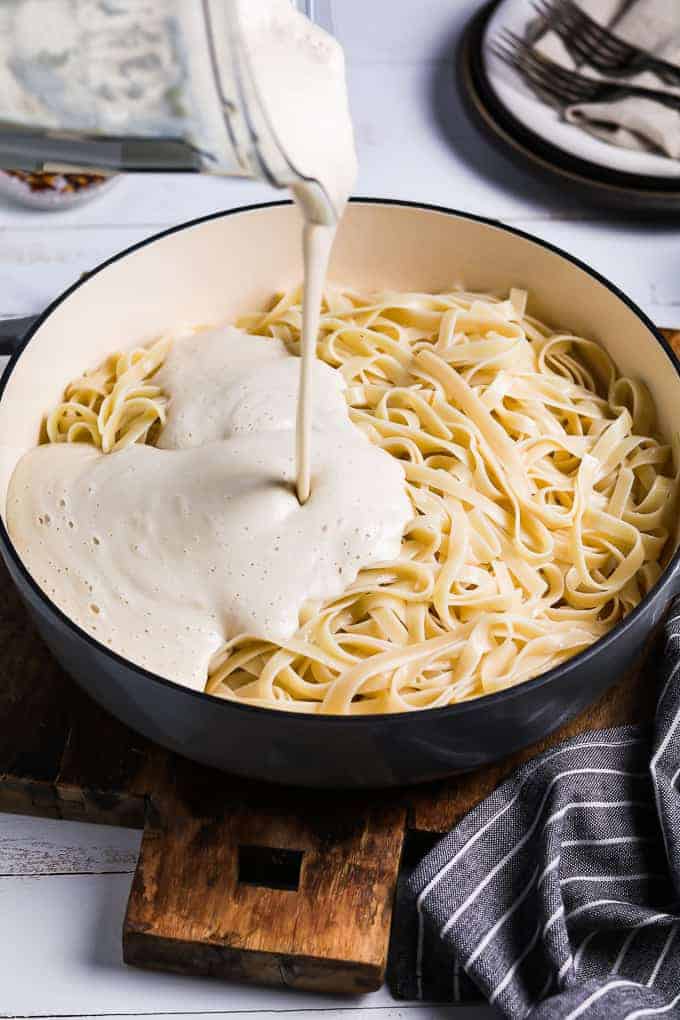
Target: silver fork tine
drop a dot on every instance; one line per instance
(565, 15)
(573, 85)
(546, 9)
(602, 44)
(508, 56)
(567, 86)
(536, 72)
(587, 49)
(599, 33)
(602, 48)
(584, 29)
(554, 10)
(560, 73)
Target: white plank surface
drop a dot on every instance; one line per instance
(63, 890)
(32, 847)
(63, 886)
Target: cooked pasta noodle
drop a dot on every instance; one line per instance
(542, 499)
(115, 404)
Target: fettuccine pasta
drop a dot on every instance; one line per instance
(115, 405)
(542, 499)
(541, 506)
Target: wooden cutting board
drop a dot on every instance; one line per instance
(235, 879)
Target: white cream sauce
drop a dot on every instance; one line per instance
(224, 383)
(165, 553)
(245, 510)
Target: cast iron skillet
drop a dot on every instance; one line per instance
(213, 269)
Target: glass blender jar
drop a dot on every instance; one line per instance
(136, 85)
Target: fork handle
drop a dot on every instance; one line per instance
(669, 74)
(610, 91)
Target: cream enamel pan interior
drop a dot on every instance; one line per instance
(212, 271)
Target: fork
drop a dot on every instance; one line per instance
(598, 46)
(565, 87)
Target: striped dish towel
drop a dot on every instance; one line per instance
(559, 895)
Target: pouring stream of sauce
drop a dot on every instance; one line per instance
(316, 241)
(299, 74)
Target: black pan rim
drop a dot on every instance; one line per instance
(657, 193)
(388, 718)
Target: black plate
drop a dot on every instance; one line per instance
(595, 184)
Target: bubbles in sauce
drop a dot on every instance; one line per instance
(203, 538)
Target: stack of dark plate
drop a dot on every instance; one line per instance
(503, 102)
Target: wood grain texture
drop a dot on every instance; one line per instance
(106, 770)
(188, 911)
(61, 755)
(673, 337)
(35, 699)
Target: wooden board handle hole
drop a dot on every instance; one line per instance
(269, 866)
(417, 844)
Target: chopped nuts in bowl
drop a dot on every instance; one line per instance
(52, 190)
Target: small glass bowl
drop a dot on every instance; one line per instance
(53, 191)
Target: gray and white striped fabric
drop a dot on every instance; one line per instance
(559, 895)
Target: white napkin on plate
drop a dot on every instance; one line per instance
(632, 123)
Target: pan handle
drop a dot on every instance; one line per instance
(12, 332)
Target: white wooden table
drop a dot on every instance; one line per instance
(63, 886)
